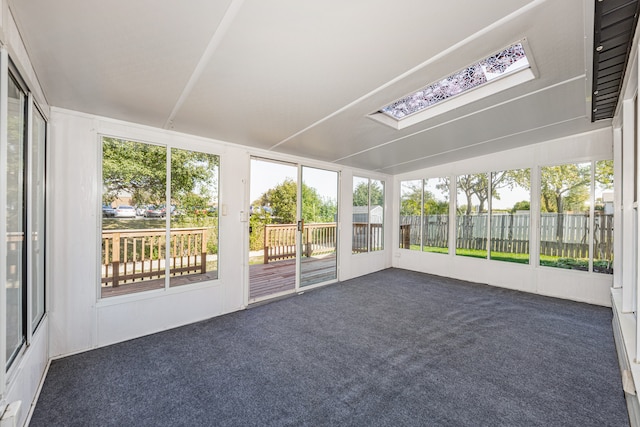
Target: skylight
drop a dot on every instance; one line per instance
(503, 63)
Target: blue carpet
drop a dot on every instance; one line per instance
(393, 348)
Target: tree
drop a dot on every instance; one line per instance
(282, 199)
(366, 194)
(134, 168)
(604, 174)
(432, 206)
(411, 198)
(564, 187)
(193, 176)
(139, 169)
(376, 193)
(523, 205)
(467, 185)
(361, 194)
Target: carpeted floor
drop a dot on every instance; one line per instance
(393, 348)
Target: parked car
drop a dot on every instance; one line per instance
(108, 211)
(154, 212)
(140, 210)
(124, 211)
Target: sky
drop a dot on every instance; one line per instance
(508, 197)
(266, 175)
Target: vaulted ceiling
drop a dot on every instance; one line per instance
(301, 77)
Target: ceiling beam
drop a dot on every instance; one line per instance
(218, 35)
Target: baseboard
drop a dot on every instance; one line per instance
(622, 338)
(32, 407)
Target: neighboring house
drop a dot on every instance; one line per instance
(363, 214)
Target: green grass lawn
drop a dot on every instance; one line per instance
(132, 223)
(603, 266)
(152, 223)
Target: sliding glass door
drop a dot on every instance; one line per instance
(272, 229)
(318, 261)
(292, 228)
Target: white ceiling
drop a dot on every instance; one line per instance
(300, 77)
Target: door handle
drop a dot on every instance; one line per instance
(301, 225)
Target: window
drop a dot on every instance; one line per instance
(24, 204)
(144, 238)
(510, 216)
(424, 215)
(435, 227)
(603, 218)
(410, 214)
(493, 218)
(36, 221)
(471, 215)
(368, 215)
(564, 216)
(194, 217)
(15, 226)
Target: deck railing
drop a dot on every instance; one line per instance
(135, 255)
(280, 240)
(366, 237)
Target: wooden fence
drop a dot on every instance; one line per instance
(562, 235)
(366, 237)
(280, 240)
(435, 230)
(136, 255)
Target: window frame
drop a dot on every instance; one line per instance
(35, 109)
(9, 73)
(535, 172)
(423, 183)
(168, 145)
(369, 249)
(24, 326)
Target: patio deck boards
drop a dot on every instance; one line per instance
(264, 279)
(279, 276)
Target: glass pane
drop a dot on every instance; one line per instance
(436, 216)
(603, 220)
(36, 227)
(15, 221)
(318, 261)
(272, 229)
(510, 216)
(376, 215)
(471, 215)
(410, 214)
(193, 242)
(360, 235)
(564, 216)
(133, 217)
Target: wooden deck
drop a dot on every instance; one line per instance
(149, 285)
(264, 279)
(280, 276)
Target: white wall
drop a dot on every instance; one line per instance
(593, 288)
(79, 320)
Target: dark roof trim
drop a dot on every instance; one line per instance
(614, 25)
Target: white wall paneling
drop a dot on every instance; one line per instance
(79, 319)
